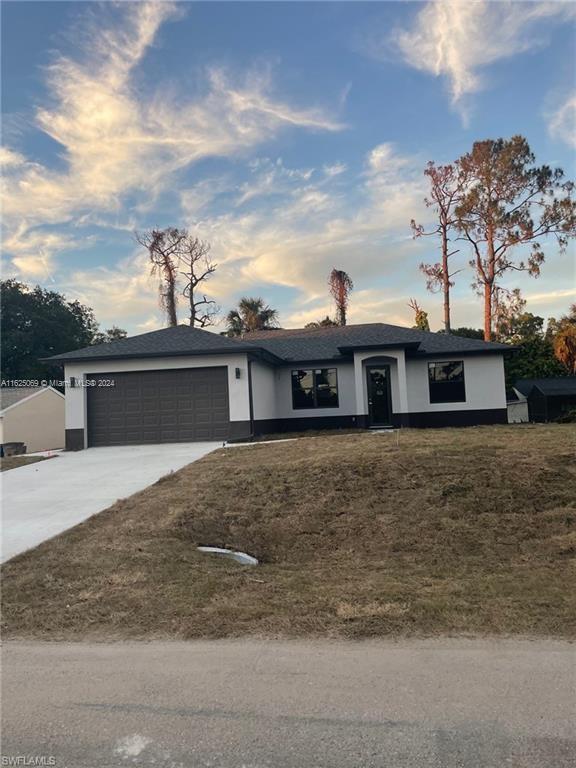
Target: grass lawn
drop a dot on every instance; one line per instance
(12, 462)
(420, 532)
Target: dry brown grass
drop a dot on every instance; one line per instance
(12, 462)
(448, 531)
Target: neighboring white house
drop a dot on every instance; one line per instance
(33, 416)
(183, 384)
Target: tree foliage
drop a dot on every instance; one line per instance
(111, 334)
(341, 286)
(468, 333)
(38, 323)
(253, 314)
(510, 202)
(564, 340)
(326, 322)
(420, 317)
(534, 355)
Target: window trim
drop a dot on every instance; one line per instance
(440, 383)
(314, 389)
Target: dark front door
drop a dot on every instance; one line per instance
(379, 395)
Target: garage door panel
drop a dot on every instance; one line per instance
(159, 406)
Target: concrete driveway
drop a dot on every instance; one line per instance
(43, 499)
(319, 704)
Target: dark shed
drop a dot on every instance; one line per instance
(548, 399)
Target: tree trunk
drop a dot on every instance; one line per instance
(171, 308)
(445, 279)
(192, 309)
(487, 311)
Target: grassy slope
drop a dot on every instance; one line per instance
(448, 531)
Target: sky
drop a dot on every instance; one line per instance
(292, 136)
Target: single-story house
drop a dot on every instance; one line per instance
(33, 416)
(184, 384)
(548, 399)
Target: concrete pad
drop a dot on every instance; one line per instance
(43, 499)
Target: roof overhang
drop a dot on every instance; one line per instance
(256, 351)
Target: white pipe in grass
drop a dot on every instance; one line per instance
(240, 557)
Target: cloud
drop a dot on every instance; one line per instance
(295, 238)
(562, 122)
(335, 169)
(457, 39)
(117, 140)
(121, 295)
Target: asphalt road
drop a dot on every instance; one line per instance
(253, 704)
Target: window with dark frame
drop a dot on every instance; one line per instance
(315, 388)
(446, 382)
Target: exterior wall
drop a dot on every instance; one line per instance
(272, 392)
(76, 398)
(37, 422)
(263, 391)
(483, 379)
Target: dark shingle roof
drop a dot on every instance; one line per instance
(333, 342)
(295, 344)
(562, 385)
(180, 340)
(12, 395)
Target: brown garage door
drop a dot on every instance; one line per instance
(158, 406)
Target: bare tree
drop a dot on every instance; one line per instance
(174, 251)
(420, 317)
(197, 268)
(163, 250)
(508, 202)
(341, 286)
(446, 183)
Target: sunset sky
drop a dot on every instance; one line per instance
(292, 136)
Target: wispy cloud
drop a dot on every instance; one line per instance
(458, 39)
(562, 121)
(117, 142)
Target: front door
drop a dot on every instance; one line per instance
(379, 395)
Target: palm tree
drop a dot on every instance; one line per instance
(341, 286)
(252, 315)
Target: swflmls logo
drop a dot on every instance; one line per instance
(28, 760)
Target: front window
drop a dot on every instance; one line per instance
(446, 382)
(315, 388)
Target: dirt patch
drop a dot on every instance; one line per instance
(425, 532)
(12, 462)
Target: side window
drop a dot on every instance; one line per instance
(315, 388)
(446, 382)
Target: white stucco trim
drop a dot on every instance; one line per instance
(398, 378)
